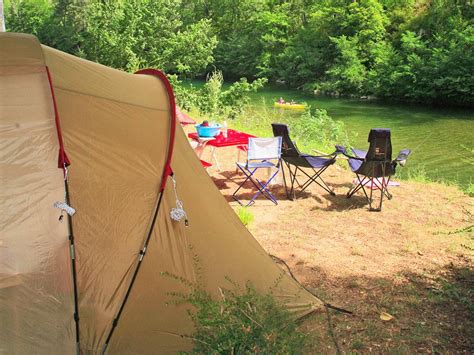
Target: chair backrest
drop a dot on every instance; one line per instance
(378, 160)
(380, 148)
(288, 148)
(264, 148)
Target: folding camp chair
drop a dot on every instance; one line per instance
(375, 167)
(262, 153)
(292, 157)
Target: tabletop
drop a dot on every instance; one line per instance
(233, 138)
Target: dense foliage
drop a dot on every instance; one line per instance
(213, 100)
(412, 50)
(312, 129)
(122, 34)
(239, 321)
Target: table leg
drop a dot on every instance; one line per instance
(199, 150)
(214, 156)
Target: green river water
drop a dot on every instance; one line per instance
(441, 139)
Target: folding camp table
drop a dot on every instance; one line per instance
(234, 138)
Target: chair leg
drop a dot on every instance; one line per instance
(371, 189)
(383, 189)
(359, 186)
(353, 190)
(382, 193)
(316, 178)
(284, 180)
(327, 188)
(247, 177)
(380, 184)
(293, 179)
(290, 195)
(387, 193)
(261, 187)
(317, 175)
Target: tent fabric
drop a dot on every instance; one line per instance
(115, 129)
(36, 309)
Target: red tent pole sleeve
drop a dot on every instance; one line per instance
(63, 160)
(167, 171)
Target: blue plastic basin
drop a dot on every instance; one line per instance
(207, 131)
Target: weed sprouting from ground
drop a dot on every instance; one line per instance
(469, 189)
(243, 323)
(418, 174)
(245, 215)
(239, 320)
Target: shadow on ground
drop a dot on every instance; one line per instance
(432, 311)
(228, 181)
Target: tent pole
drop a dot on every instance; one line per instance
(73, 266)
(63, 163)
(167, 172)
(141, 255)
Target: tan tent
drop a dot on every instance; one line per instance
(118, 134)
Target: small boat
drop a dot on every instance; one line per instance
(290, 106)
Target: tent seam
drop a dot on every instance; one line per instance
(106, 98)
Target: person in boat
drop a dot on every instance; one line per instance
(281, 101)
(292, 102)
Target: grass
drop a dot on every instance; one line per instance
(243, 322)
(245, 215)
(469, 189)
(358, 345)
(449, 291)
(431, 313)
(418, 174)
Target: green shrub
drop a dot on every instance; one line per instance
(185, 97)
(312, 129)
(212, 100)
(246, 217)
(317, 130)
(242, 323)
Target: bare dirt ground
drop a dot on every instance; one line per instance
(413, 260)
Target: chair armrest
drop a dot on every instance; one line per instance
(342, 150)
(322, 154)
(359, 153)
(403, 154)
(402, 157)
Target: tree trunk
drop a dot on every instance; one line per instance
(2, 17)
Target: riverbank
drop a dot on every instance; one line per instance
(440, 138)
(413, 261)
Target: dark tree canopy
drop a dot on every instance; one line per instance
(411, 50)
